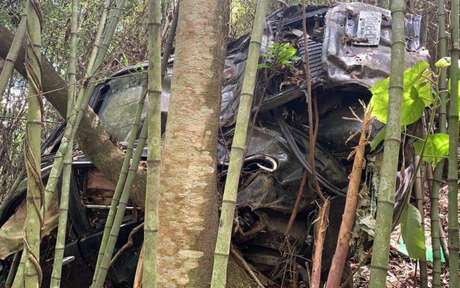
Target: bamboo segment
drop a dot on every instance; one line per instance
(32, 152)
(439, 169)
(12, 55)
(222, 250)
(154, 145)
(452, 173)
(119, 187)
(66, 177)
(118, 219)
(380, 254)
(103, 36)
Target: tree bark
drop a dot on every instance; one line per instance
(92, 137)
(386, 189)
(188, 198)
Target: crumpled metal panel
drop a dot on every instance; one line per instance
(349, 59)
(277, 190)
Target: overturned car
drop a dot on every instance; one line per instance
(348, 49)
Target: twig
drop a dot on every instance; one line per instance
(128, 243)
(320, 233)
(246, 266)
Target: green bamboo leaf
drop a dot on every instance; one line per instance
(436, 148)
(412, 232)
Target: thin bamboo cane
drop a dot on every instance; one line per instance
(119, 187)
(8, 64)
(452, 172)
(418, 187)
(33, 222)
(105, 262)
(79, 108)
(66, 177)
(439, 169)
(222, 249)
(154, 145)
(13, 269)
(379, 263)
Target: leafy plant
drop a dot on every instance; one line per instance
(436, 148)
(412, 232)
(417, 94)
(279, 56)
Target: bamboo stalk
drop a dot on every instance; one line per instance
(439, 169)
(154, 145)
(419, 198)
(119, 187)
(33, 221)
(452, 172)
(67, 170)
(8, 64)
(351, 204)
(379, 263)
(19, 277)
(168, 44)
(222, 249)
(13, 269)
(79, 107)
(118, 219)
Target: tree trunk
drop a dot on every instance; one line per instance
(188, 197)
(452, 174)
(386, 189)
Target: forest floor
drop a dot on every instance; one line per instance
(404, 272)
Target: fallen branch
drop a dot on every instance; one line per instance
(351, 204)
(320, 233)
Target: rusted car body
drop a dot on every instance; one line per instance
(348, 50)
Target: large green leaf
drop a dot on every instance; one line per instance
(436, 148)
(412, 232)
(417, 95)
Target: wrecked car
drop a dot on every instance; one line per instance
(348, 49)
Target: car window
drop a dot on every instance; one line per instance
(119, 107)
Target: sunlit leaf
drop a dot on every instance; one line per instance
(417, 95)
(444, 62)
(413, 233)
(436, 148)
